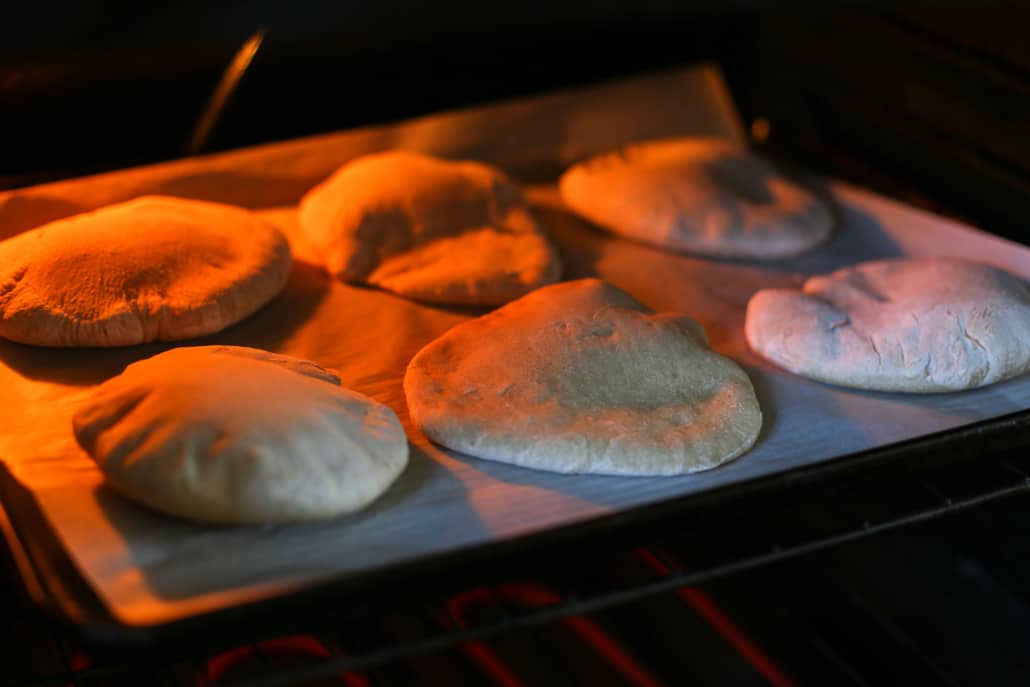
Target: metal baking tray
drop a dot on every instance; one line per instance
(125, 575)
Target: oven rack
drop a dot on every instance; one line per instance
(570, 581)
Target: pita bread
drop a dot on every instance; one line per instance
(697, 195)
(151, 269)
(918, 325)
(579, 377)
(428, 229)
(236, 435)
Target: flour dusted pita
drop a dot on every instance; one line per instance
(237, 435)
(579, 377)
(429, 229)
(697, 195)
(917, 325)
(151, 269)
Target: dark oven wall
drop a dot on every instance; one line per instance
(933, 100)
(100, 85)
(922, 103)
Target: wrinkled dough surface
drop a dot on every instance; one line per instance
(579, 377)
(917, 325)
(237, 435)
(429, 229)
(151, 269)
(697, 195)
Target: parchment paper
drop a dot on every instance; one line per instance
(151, 569)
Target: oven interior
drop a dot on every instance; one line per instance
(877, 571)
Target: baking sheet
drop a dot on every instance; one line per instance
(149, 569)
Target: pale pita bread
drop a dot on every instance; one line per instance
(917, 325)
(579, 377)
(429, 229)
(697, 195)
(151, 269)
(237, 435)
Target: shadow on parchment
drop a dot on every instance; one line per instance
(414, 517)
(267, 328)
(857, 237)
(764, 394)
(463, 310)
(273, 324)
(590, 489)
(576, 240)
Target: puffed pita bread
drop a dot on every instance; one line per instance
(697, 195)
(226, 434)
(579, 377)
(151, 269)
(917, 325)
(429, 229)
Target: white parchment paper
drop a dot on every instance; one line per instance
(151, 569)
